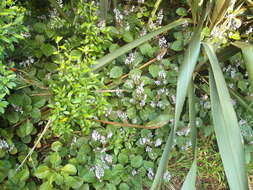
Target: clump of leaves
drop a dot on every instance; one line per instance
(11, 29)
(76, 97)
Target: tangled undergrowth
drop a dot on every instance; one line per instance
(66, 122)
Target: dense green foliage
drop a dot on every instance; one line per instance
(104, 120)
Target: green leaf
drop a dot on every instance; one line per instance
(110, 187)
(131, 112)
(13, 117)
(23, 175)
(58, 39)
(177, 45)
(124, 49)
(181, 11)
(123, 186)
(247, 52)
(69, 169)
(74, 182)
(39, 39)
(56, 146)
(89, 177)
(46, 186)
(242, 85)
(184, 78)
(38, 101)
(104, 6)
(35, 113)
(51, 67)
(189, 183)
(16, 99)
(128, 37)
(136, 161)
(76, 54)
(42, 172)
(39, 27)
(161, 120)
(25, 129)
(226, 127)
(55, 159)
(154, 70)
(116, 72)
(59, 180)
(123, 158)
(47, 49)
(146, 49)
(26, 100)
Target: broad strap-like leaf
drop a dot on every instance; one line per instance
(104, 6)
(124, 49)
(226, 126)
(190, 181)
(247, 52)
(185, 76)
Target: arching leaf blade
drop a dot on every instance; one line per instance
(185, 76)
(247, 52)
(190, 181)
(226, 126)
(124, 49)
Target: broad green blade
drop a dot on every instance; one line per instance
(124, 49)
(226, 126)
(190, 181)
(192, 116)
(161, 120)
(104, 6)
(247, 52)
(185, 76)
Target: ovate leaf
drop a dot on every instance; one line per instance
(42, 172)
(25, 129)
(116, 72)
(47, 49)
(69, 169)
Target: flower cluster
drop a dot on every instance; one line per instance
(163, 42)
(5, 146)
(99, 171)
(159, 17)
(130, 58)
(184, 132)
(122, 115)
(17, 108)
(150, 173)
(28, 62)
(167, 176)
(118, 15)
